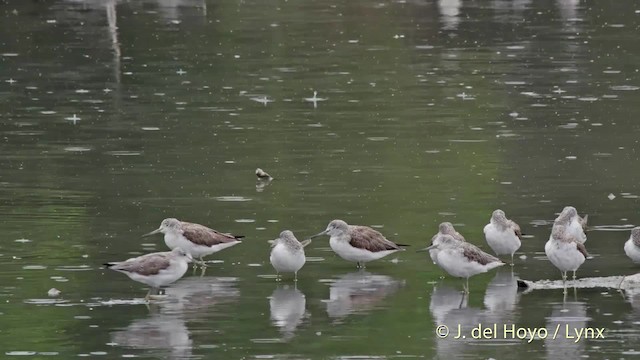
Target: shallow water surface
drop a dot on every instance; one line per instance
(115, 115)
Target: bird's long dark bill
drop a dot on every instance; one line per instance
(152, 233)
(427, 248)
(318, 234)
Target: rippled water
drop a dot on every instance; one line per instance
(115, 115)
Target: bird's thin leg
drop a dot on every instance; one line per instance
(202, 263)
(574, 275)
(564, 281)
(466, 286)
(148, 296)
(358, 266)
(277, 276)
(512, 264)
(204, 268)
(295, 276)
(364, 265)
(464, 294)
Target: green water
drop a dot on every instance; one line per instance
(115, 115)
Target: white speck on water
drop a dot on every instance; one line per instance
(229, 162)
(150, 128)
(530, 94)
(245, 220)
(232, 198)
(34, 267)
(596, 124)
(22, 240)
(273, 221)
(523, 257)
(570, 157)
(377, 138)
(10, 54)
(625, 87)
(506, 183)
(98, 353)
(254, 265)
(53, 292)
(73, 118)
(82, 91)
(181, 72)
(611, 196)
(20, 353)
(515, 83)
(77, 149)
(82, 317)
(318, 333)
(176, 22)
(123, 153)
(588, 98)
(571, 125)
(47, 112)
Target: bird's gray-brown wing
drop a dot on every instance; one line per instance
(202, 235)
(516, 229)
(583, 221)
(363, 237)
(583, 250)
(473, 253)
(150, 264)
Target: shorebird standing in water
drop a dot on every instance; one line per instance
(462, 259)
(575, 224)
(503, 235)
(287, 254)
(632, 246)
(445, 228)
(155, 269)
(359, 244)
(565, 251)
(197, 240)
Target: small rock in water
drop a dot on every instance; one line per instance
(261, 174)
(53, 292)
(611, 196)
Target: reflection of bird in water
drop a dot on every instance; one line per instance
(500, 300)
(444, 299)
(165, 328)
(502, 292)
(359, 292)
(567, 314)
(288, 309)
(449, 307)
(194, 294)
(157, 332)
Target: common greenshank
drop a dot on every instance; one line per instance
(632, 246)
(503, 235)
(565, 251)
(462, 259)
(155, 269)
(197, 240)
(445, 228)
(287, 254)
(359, 244)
